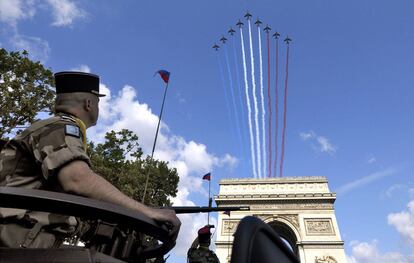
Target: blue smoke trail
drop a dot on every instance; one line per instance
(239, 89)
(232, 97)
(225, 90)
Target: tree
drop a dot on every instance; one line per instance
(120, 160)
(25, 90)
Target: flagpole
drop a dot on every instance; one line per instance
(228, 241)
(209, 200)
(155, 141)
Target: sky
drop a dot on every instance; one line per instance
(350, 100)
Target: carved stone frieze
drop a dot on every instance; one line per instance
(271, 187)
(290, 206)
(229, 226)
(325, 259)
(319, 226)
(291, 218)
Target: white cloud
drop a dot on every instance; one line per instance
(389, 192)
(365, 180)
(307, 135)
(82, 68)
(325, 145)
(38, 48)
(363, 252)
(319, 143)
(190, 158)
(65, 12)
(404, 223)
(11, 11)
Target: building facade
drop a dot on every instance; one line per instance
(300, 209)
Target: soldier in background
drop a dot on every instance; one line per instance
(199, 251)
(51, 155)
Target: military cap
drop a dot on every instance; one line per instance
(73, 81)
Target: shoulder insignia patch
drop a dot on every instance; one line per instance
(72, 130)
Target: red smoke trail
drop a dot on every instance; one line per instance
(284, 114)
(269, 106)
(277, 106)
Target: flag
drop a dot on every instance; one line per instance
(207, 177)
(165, 75)
(226, 213)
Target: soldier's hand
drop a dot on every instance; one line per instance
(167, 217)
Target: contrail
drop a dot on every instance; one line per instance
(269, 100)
(262, 102)
(249, 110)
(256, 109)
(232, 96)
(277, 106)
(225, 91)
(239, 92)
(284, 111)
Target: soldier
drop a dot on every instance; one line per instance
(51, 155)
(199, 251)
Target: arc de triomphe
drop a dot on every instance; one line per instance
(300, 209)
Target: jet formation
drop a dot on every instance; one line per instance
(258, 22)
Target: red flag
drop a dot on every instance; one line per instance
(207, 177)
(165, 75)
(226, 213)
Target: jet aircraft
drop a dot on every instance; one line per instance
(223, 39)
(258, 22)
(239, 24)
(216, 47)
(231, 31)
(267, 29)
(276, 35)
(287, 40)
(247, 15)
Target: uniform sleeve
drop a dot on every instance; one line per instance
(58, 145)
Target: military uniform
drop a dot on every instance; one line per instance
(199, 251)
(201, 255)
(32, 160)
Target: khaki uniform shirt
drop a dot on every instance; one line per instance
(33, 158)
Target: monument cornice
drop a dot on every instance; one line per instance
(269, 198)
(320, 243)
(292, 204)
(298, 179)
(276, 187)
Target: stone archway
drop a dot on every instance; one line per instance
(300, 209)
(286, 233)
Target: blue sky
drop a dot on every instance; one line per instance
(350, 103)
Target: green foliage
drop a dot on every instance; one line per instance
(120, 161)
(25, 90)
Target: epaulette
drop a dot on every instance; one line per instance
(69, 118)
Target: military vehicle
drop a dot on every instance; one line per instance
(117, 236)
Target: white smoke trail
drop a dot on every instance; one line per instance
(262, 100)
(256, 109)
(249, 109)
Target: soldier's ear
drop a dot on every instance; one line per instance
(88, 104)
